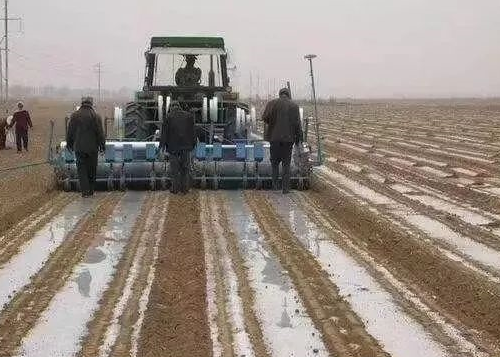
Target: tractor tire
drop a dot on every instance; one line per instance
(134, 121)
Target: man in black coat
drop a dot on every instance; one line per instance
(85, 137)
(178, 139)
(282, 117)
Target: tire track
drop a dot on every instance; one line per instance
(343, 333)
(460, 293)
(23, 311)
(175, 323)
(12, 241)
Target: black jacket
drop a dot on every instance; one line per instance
(178, 132)
(282, 117)
(85, 133)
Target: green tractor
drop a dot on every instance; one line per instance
(192, 71)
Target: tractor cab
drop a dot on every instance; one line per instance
(192, 71)
(187, 66)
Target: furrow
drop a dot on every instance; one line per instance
(485, 259)
(175, 323)
(120, 286)
(18, 272)
(14, 240)
(247, 334)
(460, 292)
(223, 318)
(458, 340)
(463, 220)
(287, 328)
(343, 332)
(473, 197)
(21, 314)
(90, 279)
(127, 319)
(31, 219)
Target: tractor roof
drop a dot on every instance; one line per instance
(188, 42)
(188, 45)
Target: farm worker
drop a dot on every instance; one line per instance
(3, 133)
(282, 117)
(190, 75)
(178, 139)
(22, 120)
(85, 137)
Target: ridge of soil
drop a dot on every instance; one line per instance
(176, 322)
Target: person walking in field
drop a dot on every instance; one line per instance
(178, 138)
(85, 136)
(282, 117)
(22, 120)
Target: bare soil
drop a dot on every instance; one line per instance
(176, 321)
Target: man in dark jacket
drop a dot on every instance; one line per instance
(282, 117)
(178, 139)
(22, 120)
(85, 137)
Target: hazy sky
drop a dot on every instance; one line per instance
(365, 48)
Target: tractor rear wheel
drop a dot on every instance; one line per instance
(134, 121)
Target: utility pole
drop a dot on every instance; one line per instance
(318, 137)
(5, 75)
(6, 50)
(1, 76)
(99, 69)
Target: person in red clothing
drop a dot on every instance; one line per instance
(22, 121)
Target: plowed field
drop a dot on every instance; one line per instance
(395, 251)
